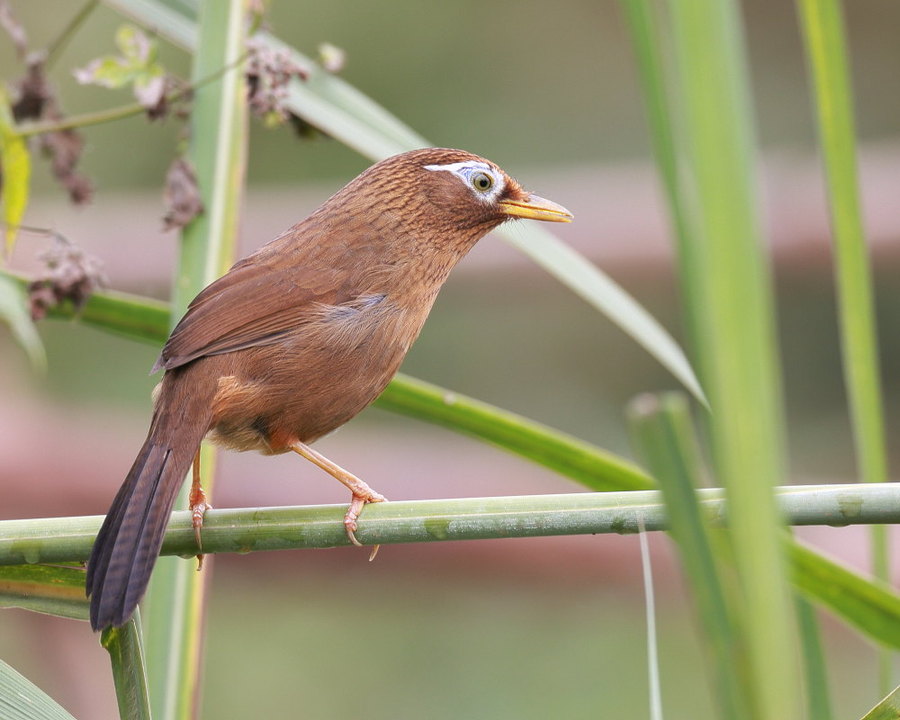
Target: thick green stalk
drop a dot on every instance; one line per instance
(26, 545)
(126, 653)
(871, 607)
(732, 316)
(217, 150)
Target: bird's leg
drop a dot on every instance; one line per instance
(198, 505)
(362, 493)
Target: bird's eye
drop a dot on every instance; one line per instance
(482, 182)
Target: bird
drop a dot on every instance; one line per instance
(296, 339)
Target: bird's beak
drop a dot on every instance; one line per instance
(536, 208)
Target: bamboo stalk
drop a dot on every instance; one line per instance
(57, 540)
(217, 151)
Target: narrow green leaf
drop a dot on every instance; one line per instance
(14, 312)
(598, 289)
(20, 699)
(646, 18)
(15, 163)
(126, 654)
(887, 709)
(661, 431)
(870, 606)
(586, 463)
(47, 589)
(823, 31)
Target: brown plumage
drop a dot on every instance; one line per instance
(299, 337)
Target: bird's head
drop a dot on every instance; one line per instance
(454, 189)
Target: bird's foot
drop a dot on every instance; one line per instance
(198, 506)
(362, 496)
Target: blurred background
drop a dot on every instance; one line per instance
(504, 629)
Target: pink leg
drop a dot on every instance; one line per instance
(361, 493)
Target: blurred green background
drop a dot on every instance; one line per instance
(502, 629)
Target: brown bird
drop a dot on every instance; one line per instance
(299, 337)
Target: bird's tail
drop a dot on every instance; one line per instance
(131, 536)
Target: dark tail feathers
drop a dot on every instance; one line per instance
(131, 536)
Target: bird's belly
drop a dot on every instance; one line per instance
(311, 381)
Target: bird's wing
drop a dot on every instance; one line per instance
(260, 299)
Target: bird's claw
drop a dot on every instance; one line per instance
(198, 506)
(357, 503)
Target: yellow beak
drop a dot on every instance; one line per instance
(536, 208)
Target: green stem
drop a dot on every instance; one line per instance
(869, 606)
(44, 127)
(242, 530)
(55, 48)
(125, 646)
(99, 117)
(823, 30)
(732, 318)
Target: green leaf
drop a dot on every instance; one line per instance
(598, 289)
(52, 590)
(137, 49)
(823, 31)
(887, 709)
(15, 163)
(136, 65)
(870, 606)
(108, 72)
(14, 312)
(20, 699)
(588, 464)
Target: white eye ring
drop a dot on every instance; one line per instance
(473, 174)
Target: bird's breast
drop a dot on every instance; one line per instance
(316, 377)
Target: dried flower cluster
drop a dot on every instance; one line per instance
(269, 72)
(71, 275)
(181, 195)
(35, 99)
